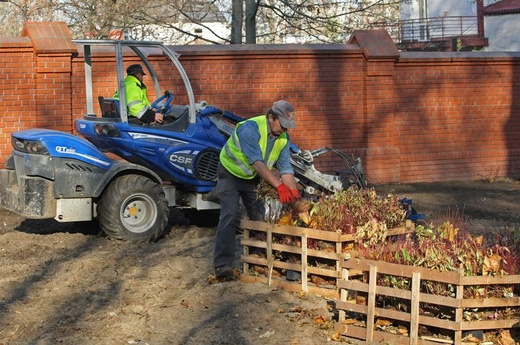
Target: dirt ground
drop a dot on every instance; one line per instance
(65, 284)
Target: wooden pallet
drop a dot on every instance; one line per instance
(369, 309)
(311, 274)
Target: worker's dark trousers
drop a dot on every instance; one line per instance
(230, 190)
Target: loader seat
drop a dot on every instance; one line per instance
(109, 107)
(177, 120)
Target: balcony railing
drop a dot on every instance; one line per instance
(429, 29)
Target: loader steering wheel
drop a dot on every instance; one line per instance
(163, 103)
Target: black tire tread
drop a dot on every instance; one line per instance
(120, 188)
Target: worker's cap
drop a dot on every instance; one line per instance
(285, 112)
(134, 69)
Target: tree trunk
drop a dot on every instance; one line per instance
(251, 10)
(237, 19)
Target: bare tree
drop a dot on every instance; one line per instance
(330, 21)
(15, 13)
(182, 21)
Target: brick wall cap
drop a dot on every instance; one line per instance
(376, 44)
(15, 42)
(50, 37)
(275, 49)
(462, 56)
(243, 49)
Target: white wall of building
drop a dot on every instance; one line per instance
(410, 9)
(502, 32)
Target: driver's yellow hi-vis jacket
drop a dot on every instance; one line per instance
(137, 101)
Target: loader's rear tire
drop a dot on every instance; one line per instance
(133, 208)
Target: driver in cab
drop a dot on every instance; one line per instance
(137, 96)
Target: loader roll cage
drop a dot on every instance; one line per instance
(142, 49)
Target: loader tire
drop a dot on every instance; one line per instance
(133, 208)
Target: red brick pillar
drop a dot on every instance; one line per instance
(381, 154)
(53, 52)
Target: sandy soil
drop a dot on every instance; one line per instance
(68, 284)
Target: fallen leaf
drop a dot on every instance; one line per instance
(318, 280)
(471, 339)
(320, 319)
(285, 219)
(383, 322)
(402, 330)
(361, 300)
(336, 336)
(504, 338)
(491, 264)
(348, 321)
(305, 217)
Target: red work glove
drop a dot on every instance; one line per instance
(295, 193)
(284, 194)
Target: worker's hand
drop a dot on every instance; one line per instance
(159, 118)
(295, 193)
(284, 194)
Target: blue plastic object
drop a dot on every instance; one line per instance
(163, 103)
(410, 211)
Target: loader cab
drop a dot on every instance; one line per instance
(105, 62)
(184, 150)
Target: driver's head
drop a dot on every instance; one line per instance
(135, 69)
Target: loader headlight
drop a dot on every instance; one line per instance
(29, 146)
(107, 129)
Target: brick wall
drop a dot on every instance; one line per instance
(412, 117)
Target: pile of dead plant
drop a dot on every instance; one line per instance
(350, 211)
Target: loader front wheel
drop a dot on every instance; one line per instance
(133, 208)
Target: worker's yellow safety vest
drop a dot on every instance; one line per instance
(235, 161)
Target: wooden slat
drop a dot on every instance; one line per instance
(357, 308)
(398, 293)
(287, 265)
(332, 273)
(433, 275)
(490, 324)
(327, 255)
(296, 231)
(459, 295)
(354, 285)
(295, 250)
(254, 260)
(343, 295)
(290, 286)
(490, 302)
(382, 337)
(403, 270)
(489, 280)
(322, 272)
(414, 310)
(304, 262)
(393, 314)
(451, 302)
(314, 233)
(253, 243)
(371, 300)
(353, 331)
